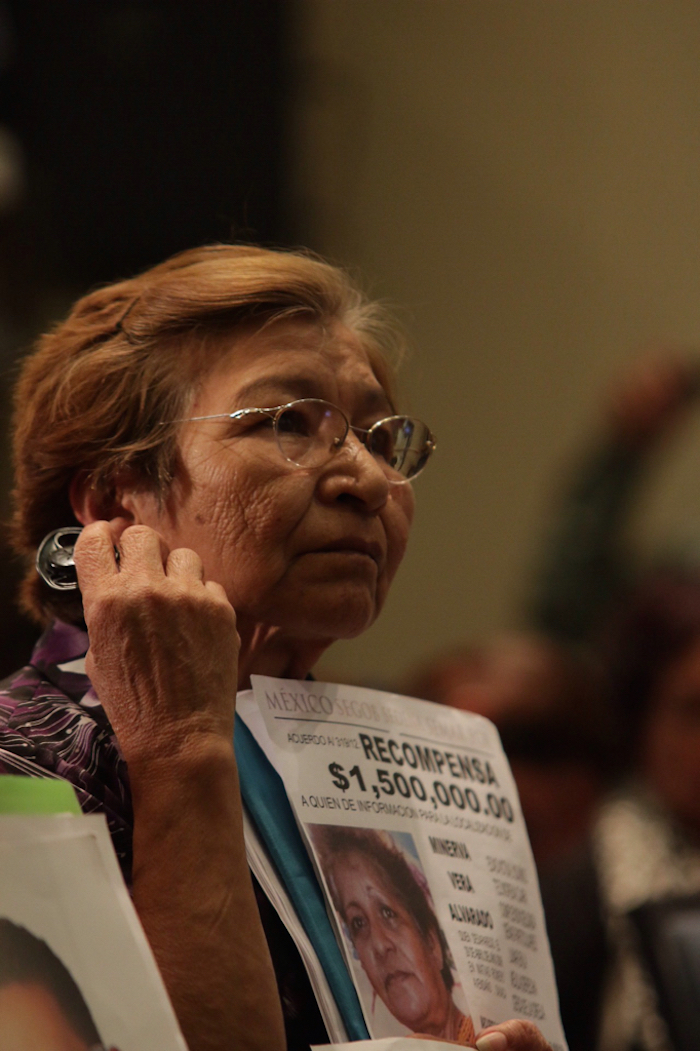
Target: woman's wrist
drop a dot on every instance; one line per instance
(189, 763)
(200, 739)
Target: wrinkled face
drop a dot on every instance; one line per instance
(30, 1017)
(403, 966)
(311, 551)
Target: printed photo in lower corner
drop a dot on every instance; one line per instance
(402, 966)
(41, 1004)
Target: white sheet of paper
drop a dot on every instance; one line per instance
(435, 784)
(59, 879)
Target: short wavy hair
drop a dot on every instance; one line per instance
(92, 394)
(334, 842)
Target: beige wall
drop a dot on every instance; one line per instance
(523, 178)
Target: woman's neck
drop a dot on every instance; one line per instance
(267, 650)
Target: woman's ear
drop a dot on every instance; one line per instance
(91, 504)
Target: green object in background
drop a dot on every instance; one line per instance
(36, 795)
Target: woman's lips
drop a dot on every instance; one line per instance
(355, 545)
(396, 976)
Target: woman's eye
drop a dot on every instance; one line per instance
(356, 925)
(388, 913)
(294, 421)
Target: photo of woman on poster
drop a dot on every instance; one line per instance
(384, 903)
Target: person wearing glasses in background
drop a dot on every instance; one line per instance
(224, 428)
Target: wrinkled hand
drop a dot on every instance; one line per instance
(163, 642)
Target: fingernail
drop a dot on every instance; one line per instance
(492, 1042)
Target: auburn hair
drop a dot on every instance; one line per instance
(93, 394)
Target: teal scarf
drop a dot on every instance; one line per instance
(267, 804)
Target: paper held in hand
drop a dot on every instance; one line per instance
(410, 813)
(77, 969)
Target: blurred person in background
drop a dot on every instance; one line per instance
(569, 726)
(644, 623)
(551, 707)
(545, 689)
(586, 562)
(647, 835)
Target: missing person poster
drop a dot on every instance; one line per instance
(76, 970)
(412, 818)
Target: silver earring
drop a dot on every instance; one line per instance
(55, 562)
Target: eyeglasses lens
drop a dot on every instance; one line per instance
(308, 431)
(403, 443)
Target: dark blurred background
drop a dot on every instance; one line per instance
(128, 131)
(144, 127)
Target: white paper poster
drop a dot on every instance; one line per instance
(412, 818)
(75, 967)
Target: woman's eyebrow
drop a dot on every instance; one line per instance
(295, 385)
(291, 386)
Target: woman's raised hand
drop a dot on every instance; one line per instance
(163, 659)
(163, 641)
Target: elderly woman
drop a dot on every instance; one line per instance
(223, 426)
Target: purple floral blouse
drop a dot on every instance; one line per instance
(52, 725)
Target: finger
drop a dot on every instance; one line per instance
(142, 552)
(217, 590)
(95, 560)
(185, 563)
(515, 1035)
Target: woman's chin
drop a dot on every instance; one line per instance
(345, 624)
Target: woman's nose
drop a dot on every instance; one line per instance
(355, 473)
(382, 940)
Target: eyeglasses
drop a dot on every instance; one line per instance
(310, 431)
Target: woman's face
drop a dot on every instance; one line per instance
(403, 966)
(309, 551)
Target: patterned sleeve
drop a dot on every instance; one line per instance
(46, 733)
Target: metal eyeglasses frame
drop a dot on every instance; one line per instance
(275, 412)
